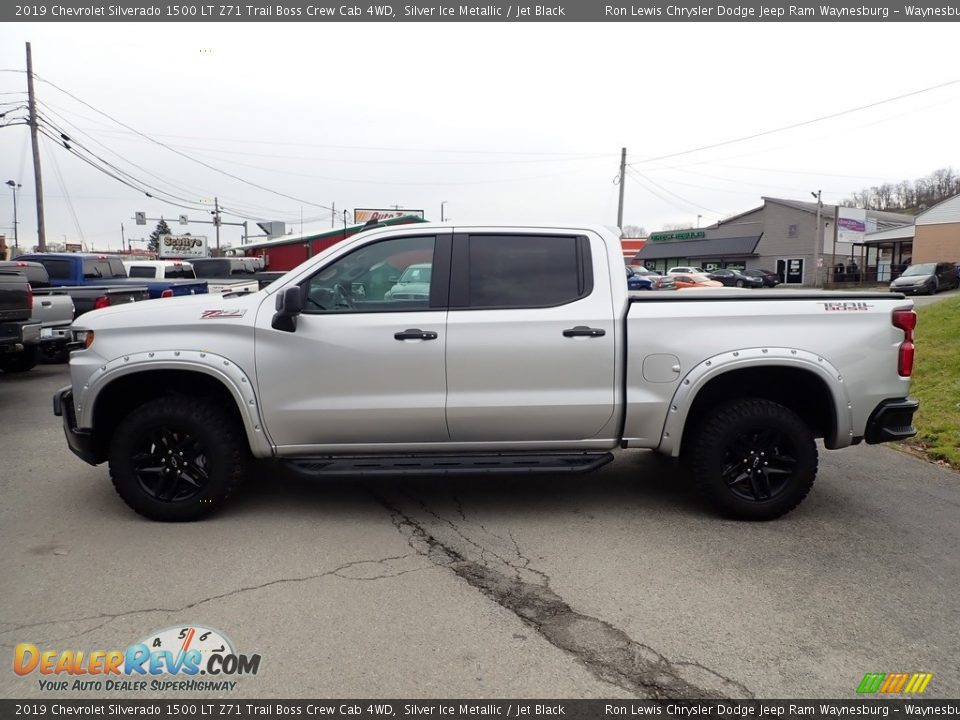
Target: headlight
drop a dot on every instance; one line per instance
(81, 339)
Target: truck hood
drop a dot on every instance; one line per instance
(182, 310)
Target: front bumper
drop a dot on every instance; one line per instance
(891, 420)
(909, 289)
(79, 441)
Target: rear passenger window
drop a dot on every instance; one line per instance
(523, 271)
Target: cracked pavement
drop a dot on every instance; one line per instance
(615, 584)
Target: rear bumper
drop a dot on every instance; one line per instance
(892, 420)
(59, 334)
(79, 441)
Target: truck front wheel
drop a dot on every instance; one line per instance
(177, 459)
(754, 459)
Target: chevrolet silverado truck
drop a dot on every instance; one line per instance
(527, 355)
(19, 334)
(107, 270)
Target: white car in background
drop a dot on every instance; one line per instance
(414, 284)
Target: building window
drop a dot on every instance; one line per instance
(792, 231)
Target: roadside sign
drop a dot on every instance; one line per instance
(141, 218)
(184, 220)
(182, 246)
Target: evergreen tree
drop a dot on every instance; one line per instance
(153, 244)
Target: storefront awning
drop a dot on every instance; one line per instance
(716, 248)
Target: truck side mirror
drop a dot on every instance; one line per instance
(289, 305)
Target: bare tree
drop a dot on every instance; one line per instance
(633, 231)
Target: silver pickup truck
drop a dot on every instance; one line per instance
(527, 355)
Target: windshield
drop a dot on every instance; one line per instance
(924, 269)
(415, 274)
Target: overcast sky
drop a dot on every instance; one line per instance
(504, 122)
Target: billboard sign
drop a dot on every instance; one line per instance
(183, 246)
(363, 215)
(851, 224)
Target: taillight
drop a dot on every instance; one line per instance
(905, 320)
(101, 302)
(29, 296)
(167, 293)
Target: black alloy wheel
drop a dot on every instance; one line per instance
(178, 458)
(758, 463)
(171, 465)
(753, 458)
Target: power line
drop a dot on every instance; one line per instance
(666, 190)
(799, 124)
(181, 154)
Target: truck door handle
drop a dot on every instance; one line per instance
(45, 303)
(584, 331)
(415, 334)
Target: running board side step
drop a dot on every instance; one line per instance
(424, 465)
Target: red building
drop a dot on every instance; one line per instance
(288, 251)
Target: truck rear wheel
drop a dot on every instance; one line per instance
(177, 459)
(754, 459)
(20, 362)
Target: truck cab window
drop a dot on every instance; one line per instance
(389, 276)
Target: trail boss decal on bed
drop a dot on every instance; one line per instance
(855, 306)
(221, 314)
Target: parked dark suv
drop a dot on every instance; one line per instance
(927, 278)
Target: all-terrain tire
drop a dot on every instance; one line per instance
(754, 459)
(177, 459)
(21, 361)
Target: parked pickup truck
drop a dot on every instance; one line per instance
(181, 269)
(232, 270)
(527, 356)
(19, 335)
(83, 297)
(53, 309)
(107, 270)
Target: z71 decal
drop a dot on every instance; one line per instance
(220, 314)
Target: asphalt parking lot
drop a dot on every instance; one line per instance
(607, 585)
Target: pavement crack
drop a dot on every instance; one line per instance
(341, 571)
(605, 651)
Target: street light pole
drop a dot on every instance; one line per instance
(14, 187)
(816, 241)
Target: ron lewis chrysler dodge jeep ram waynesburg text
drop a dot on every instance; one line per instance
(525, 353)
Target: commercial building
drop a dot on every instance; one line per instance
(778, 236)
(937, 236)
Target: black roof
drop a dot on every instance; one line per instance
(718, 247)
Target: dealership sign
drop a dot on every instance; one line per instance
(851, 224)
(363, 215)
(183, 246)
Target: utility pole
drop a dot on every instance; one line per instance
(37, 179)
(216, 221)
(123, 240)
(623, 172)
(16, 238)
(816, 242)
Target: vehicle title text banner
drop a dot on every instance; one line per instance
(479, 11)
(187, 708)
